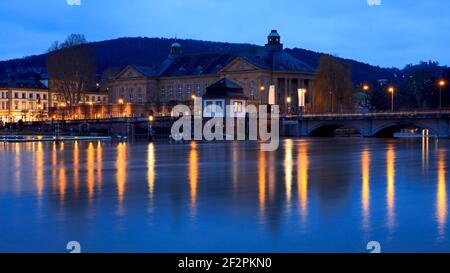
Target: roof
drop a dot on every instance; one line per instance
(22, 83)
(212, 63)
(224, 88)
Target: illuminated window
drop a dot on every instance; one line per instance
(237, 106)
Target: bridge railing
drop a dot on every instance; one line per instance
(372, 114)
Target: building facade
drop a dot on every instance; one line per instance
(181, 77)
(23, 99)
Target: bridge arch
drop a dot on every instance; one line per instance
(389, 128)
(328, 128)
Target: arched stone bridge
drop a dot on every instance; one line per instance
(368, 125)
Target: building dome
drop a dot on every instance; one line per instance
(274, 33)
(274, 40)
(175, 50)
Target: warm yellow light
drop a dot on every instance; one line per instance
(150, 118)
(366, 87)
(54, 117)
(76, 116)
(120, 101)
(98, 115)
(262, 88)
(442, 83)
(62, 104)
(391, 89)
(193, 97)
(124, 114)
(288, 99)
(90, 103)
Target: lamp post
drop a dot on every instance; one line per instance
(288, 100)
(120, 102)
(261, 89)
(366, 89)
(392, 90)
(441, 86)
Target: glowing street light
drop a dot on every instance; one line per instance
(392, 91)
(120, 101)
(441, 86)
(151, 118)
(193, 96)
(366, 88)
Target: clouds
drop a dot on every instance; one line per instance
(374, 2)
(392, 34)
(74, 2)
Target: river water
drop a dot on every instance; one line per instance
(311, 195)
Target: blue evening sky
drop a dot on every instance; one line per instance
(395, 33)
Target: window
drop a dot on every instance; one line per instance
(197, 89)
(87, 98)
(99, 99)
(188, 90)
(24, 105)
(38, 96)
(171, 91)
(163, 91)
(3, 95)
(237, 106)
(180, 90)
(31, 95)
(45, 96)
(24, 96)
(209, 107)
(16, 95)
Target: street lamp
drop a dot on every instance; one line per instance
(366, 88)
(441, 86)
(392, 90)
(120, 102)
(288, 100)
(261, 89)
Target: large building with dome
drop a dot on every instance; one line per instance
(181, 76)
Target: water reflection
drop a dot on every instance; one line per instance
(151, 169)
(193, 175)
(39, 170)
(331, 188)
(76, 167)
(262, 165)
(288, 166)
(390, 173)
(121, 173)
(302, 177)
(99, 166)
(365, 170)
(90, 171)
(425, 152)
(441, 213)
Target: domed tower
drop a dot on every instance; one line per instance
(175, 50)
(274, 41)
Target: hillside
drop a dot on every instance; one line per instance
(147, 51)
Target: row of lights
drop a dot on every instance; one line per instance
(391, 90)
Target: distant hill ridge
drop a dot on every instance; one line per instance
(141, 51)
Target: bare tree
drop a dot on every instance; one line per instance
(71, 67)
(334, 86)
